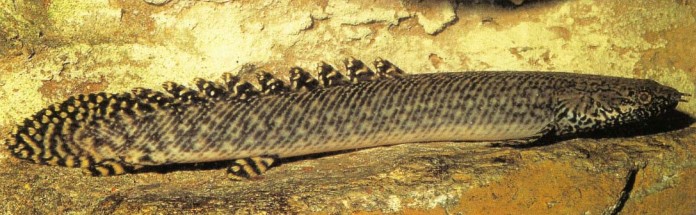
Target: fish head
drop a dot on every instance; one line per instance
(604, 102)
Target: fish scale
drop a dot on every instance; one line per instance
(115, 133)
(429, 119)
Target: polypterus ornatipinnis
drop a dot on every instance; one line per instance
(232, 120)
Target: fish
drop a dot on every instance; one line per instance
(252, 127)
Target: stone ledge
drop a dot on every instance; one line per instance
(569, 177)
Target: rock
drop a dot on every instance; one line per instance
(517, 2)
(435, 16)
(157, 2)
(568, 177)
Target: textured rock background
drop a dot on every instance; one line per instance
(53, 49)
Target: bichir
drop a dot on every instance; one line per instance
(115, 133)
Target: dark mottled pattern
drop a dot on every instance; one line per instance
(225, 121)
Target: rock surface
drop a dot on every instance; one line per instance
(51, 50)
(652, 173)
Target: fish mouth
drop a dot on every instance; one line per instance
(680, 97)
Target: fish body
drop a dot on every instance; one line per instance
(415, 108)
(110, 133)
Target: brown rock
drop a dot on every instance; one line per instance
(568, 177)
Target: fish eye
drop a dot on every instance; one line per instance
(644, 97)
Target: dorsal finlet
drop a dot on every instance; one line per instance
(237, 88)
(245, 90)
(301, 80)
(386, 69)
(229, 81)
(234, 87)
(270, 84)
(358, 71)
(180, 92)
(328, 76)
(209, 89)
